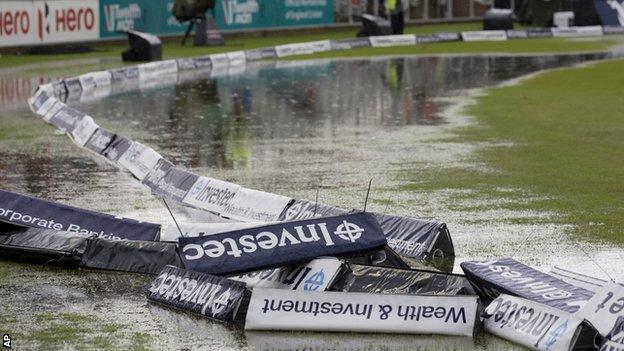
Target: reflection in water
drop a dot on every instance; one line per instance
(285, 341)
(215, 122)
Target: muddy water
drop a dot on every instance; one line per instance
(288, 128)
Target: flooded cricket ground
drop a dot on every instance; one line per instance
(295, 128)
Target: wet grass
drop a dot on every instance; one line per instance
(172, 48)
(567, 147)
(74, 331)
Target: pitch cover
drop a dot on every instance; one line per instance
(282, 244)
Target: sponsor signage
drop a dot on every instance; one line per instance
(449, 36)
(382, 280)
(32, 212)
(123, 15)
(157, 69)
(238, 14)
(250, 205)
(614, 341)
(124, 74)
(537, 326)
(213, 297)
(302, 48)
(304, 12)
(392, 40)
(612, 30)
(316, 275)
(172, 232)
(83, 130)
(193, 63)
(346, 44)
(74, 87)
(586, 31)
(117, 147)
(139, 159)
(409, 236)
(303, 209)
(604, 308)
(508, 276)
(211, 194)
(282, 244)
(484, 35)
(517, 34)
(65, 118)
(427, 38)
(41, 102)
(539, 33)
(100, 140)
(260, 54)
(168, 181)
(44, 22)
(154, 16)
(272, 309)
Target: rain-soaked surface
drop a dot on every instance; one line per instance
(289, 128)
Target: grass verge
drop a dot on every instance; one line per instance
(562, 137)
(172, 48)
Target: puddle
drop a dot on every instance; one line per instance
(288, 128)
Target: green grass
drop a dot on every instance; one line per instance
(172, 48)
(567, 132)
(74, 331)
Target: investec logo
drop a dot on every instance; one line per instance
(121, 18)
(208, 296)
(267, 240)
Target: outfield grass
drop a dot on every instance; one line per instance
(567, 133)
(172, 48)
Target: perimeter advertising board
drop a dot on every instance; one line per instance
(538, 326)
(29, 211)
(282, 244)
(47, 22)
(214, 297)
(508, 276)
(154, 16)
(273, 309)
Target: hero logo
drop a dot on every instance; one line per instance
(64, 20)
(315, 281)
(15, 22)
(121, 18)
(239, 13)
(267, 241)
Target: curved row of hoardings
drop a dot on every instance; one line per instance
(408, 236)
(276, 279)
